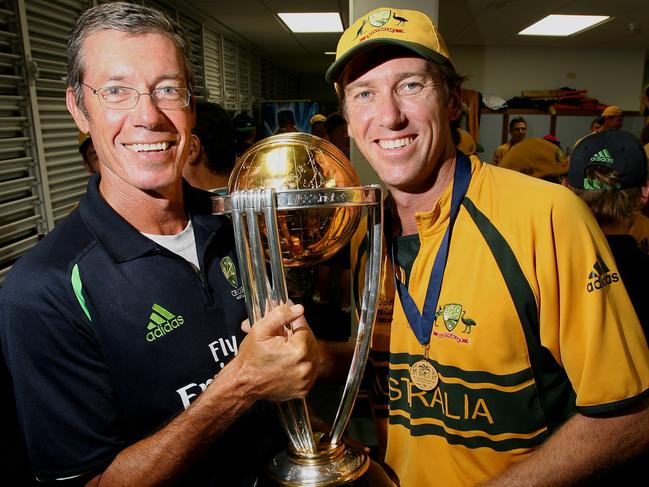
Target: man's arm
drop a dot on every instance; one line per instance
(269, 366)
(581, 449)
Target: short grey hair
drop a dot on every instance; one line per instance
(133, 20)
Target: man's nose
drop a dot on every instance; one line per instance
(390, 112)
(146, 113)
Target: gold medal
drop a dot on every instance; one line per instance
(424, 375)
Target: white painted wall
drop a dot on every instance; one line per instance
(613, 76)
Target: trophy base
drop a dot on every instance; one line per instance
(339, 465)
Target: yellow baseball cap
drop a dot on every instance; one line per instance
(612, 111)
(536, 157)
(390, 26)
(318, 117)
(467, 144)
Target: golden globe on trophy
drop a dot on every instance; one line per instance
(295, 200)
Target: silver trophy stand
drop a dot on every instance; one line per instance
(311, 460)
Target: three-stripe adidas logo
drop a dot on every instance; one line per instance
(602, 156)
(161, 322)
(601, 276)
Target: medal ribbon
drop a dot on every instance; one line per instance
(461, 180)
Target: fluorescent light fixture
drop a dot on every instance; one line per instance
(330, 53)
(312, 22)
(563, 25)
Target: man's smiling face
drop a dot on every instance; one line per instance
(398, 114)
(145, 147)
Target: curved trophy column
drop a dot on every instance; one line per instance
(295, 200)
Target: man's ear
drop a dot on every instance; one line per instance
(195, 148)
(645, 193)
(77, 113)
(455, 105)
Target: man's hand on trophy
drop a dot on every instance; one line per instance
(274, 365)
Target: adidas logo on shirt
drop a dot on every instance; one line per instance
(161, 322)
(600, 276)
(602, 156)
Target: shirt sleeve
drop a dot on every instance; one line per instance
(587, 320)
(65, 402)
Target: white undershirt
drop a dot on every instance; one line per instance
(182, 243)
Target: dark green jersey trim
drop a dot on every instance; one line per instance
(472, 442)
(468, 408)
(379, 356)
(613, 406)
(556, 396)
(471, 376)
(407, 248)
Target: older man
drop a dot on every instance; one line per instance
(504, 352)
(122, 329)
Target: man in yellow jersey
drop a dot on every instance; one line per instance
(517, 132)
(505, 351)
(613, 118)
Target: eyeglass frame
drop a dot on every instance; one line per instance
(154, 99)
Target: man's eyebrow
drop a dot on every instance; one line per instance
(170, 77)
(358, 84)
(399, 77)
(163, 77)
(412, 74)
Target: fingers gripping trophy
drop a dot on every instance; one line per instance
(295, 200)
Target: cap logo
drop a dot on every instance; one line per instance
(602, 156)
(380, 18)
(599, 186)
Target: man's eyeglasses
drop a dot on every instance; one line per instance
(125, 98)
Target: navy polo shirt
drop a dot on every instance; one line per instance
(108, 336)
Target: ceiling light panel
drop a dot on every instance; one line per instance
(563, 25)
(312, 22)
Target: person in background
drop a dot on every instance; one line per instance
(517, 132)
(539, 158)
(245, 132)
(492, 362)
(318, 125)
(337, 134)
(126, 353)
(286, 122)
(88, 153)
(640, 227)
(608, 170)
(613, 118)
(596, 124)
(212, 153)
(329, 312)
(640, 231)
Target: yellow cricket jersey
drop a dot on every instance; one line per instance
(500, 152)
(640, 231)
(533, 324)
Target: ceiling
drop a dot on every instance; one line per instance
(253, 23)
